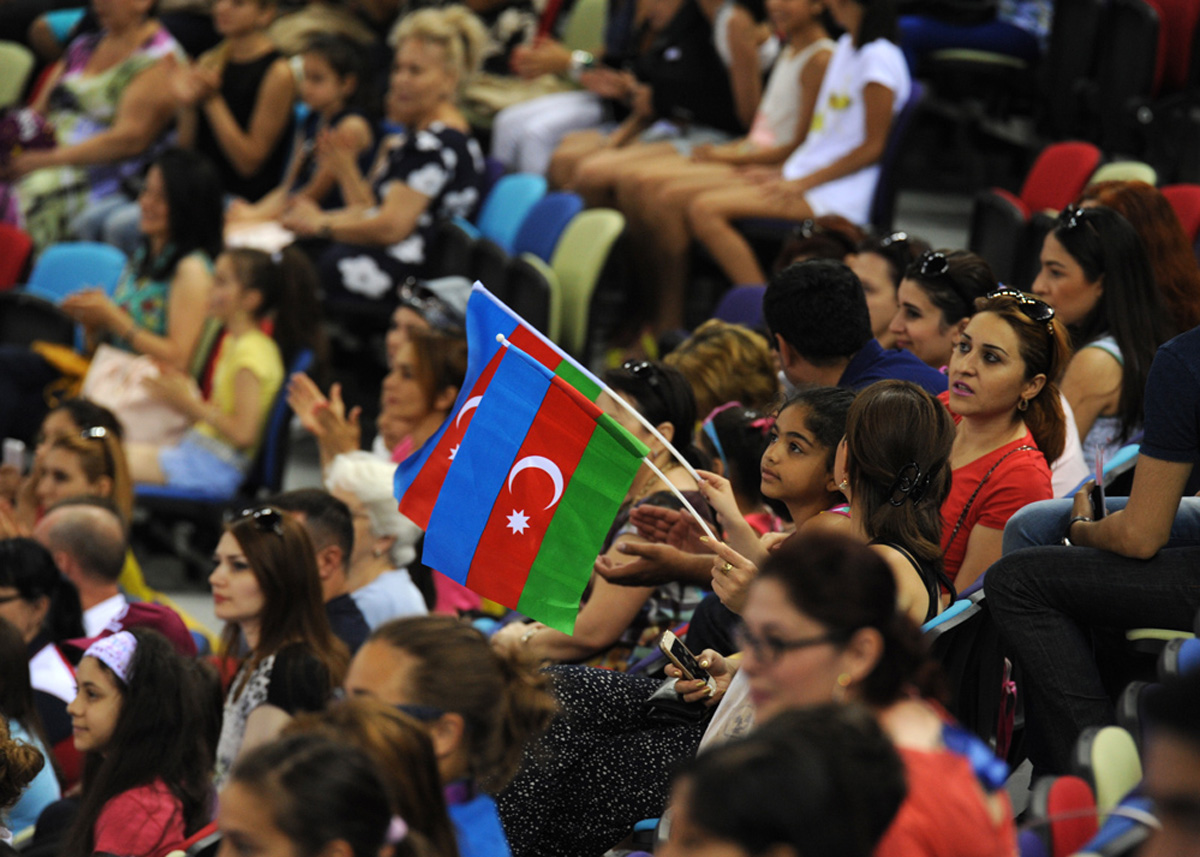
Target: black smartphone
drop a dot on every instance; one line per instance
(678, 654)
(1097, 494)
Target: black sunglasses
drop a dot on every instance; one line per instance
(439, 314)
(933, 264)
(266, 519)
(643, 370)
(1035, 309)
(1073, 218)
(895, 238)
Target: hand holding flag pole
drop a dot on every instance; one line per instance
(503, 340)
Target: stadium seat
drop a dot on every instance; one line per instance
(533, 294)
(544, 224)
(1185, 199)
(15, 247)
(1107, 759)
(16, 65)
(65, 268)
(1124, 171)
(507, 205)
(578, 262)
(1063, 810)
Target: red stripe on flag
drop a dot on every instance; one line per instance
(513, 535)
(418, 501)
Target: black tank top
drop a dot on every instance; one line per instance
(930, 575)
(240, 84)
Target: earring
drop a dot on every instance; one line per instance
(1023, 405)
(844, 485)
(839, 690)
(377, 552)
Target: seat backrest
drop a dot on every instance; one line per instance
(577, 262)
(65, 268)
(16, 64)
(544, 224)
(1178, 20)
(489, 265)
(585, 26)
(533, 294)
(15, 247)
(267, 472)
(1124, 171)
(507, 205)
(1066, 807)
(883, 204)
(26, 318)
(1071, 56)
(1059, 175)
(1185, 199)
(1107, 758)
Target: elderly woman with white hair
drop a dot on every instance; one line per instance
(383, 539)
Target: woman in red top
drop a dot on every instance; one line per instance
(1010, 425)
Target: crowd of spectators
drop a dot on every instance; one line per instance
(891, 430)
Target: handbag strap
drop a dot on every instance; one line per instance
(967, 508)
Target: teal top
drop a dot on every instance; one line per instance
(145, 297)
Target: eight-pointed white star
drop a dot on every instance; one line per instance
(518, 522)
(453, 451)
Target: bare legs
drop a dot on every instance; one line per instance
(711, 214)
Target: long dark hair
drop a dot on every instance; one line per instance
(345, 59)
(845, 586)
(662, 395)
(879, 22)
(16, 692)
(27, 567)
(195, 210)
(285, 567)
(289, 287)
(161, 734)
(953, 281)
(897, 437)
(1129, 308)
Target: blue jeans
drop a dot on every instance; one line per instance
(1049, 601)
(1045, 523)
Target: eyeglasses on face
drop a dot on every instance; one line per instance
(768, 649)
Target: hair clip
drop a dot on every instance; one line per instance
(397, 831)
(908, 485)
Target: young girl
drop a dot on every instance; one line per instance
(144, 786)
(215, 454)
(1010, 425)
(1096, 276)
(479, 706)
(267, 591)
(835, 169)
(240, 98)
(334, 89)
(734, 437)
(308, 794)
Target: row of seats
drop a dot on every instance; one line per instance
(1007, 229)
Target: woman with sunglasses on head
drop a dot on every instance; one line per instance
(614, 619)
(936, 297)
(1096, 276)
(479, 706)
(879, 264)
(267, 591)
(1010, 424)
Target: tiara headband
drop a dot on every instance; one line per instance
(115, 652)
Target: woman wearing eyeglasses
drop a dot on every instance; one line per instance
(1095, 273)
(1010, 424)
(266, 589)
(820, 626)
(615, 621)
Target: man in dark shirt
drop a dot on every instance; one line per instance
(817, 315)
(331, 528)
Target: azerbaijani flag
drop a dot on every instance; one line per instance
(419, 477)
(537, 480)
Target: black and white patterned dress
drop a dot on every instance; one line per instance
(439, 162)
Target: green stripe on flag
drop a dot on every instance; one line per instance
(579, 380)
(585, 513)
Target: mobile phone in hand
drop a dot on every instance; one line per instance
(14, 453)
(1097, 493)
(678, 654)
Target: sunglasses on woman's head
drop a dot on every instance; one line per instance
(265, 519)
(1073, 218)
(896, 238)
(439, 314)
(933, 264)
(643, 370)
(94, 433)
(1035, 309)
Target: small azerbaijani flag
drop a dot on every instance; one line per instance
(537, 480)
(419, 477)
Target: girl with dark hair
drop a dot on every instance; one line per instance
(936, 297)
(1096, 276)
(333, 85)
(18, 709)
(267, 591)
(480, 707)
(403, 753)
(159, 305)
(307, 795)
(216, 452)
(1167, 246)
(44, 608)
(836, 168)
(821, 626)
(1010, 424)
(139, 717)
(880, 263)
(614, 620)
(734, 438)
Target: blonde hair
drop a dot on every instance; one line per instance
(460, 33)
(725, 362)
(101, 454)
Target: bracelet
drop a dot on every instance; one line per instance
(1075, 520)
(581, 61)
(525, 638)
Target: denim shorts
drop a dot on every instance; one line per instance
(203, 464)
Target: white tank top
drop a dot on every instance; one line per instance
(767, 51)
(779, 110)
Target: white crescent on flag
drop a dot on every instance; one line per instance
(538, 462)
(469, 405)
